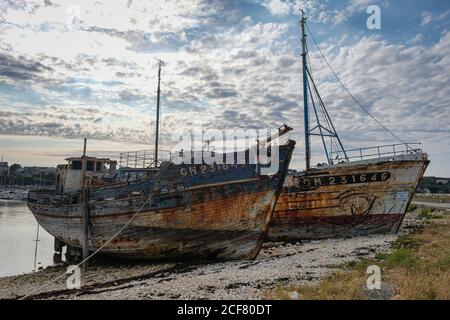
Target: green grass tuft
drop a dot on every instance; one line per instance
(400, 257)
(428, 214)
(406, 241)
(412, 207)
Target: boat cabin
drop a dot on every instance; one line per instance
(99, 171)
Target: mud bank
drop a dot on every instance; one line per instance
(278, 264)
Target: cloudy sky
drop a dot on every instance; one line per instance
(74, 69)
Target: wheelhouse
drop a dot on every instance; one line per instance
(98, 171)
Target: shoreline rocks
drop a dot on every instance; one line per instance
(278, 264)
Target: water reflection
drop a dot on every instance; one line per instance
(17, 241)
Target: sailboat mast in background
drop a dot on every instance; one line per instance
(160, 64)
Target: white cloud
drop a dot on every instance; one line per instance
(279, 7)
(428, 17)
(358, 5)
(321, 11)
(418, 38)
(409, 96)
(101, 80)
(318, 11)
(152, 15)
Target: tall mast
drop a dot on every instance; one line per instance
(305, 95)
(160, 63)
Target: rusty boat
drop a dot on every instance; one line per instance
(171, 211)
(357, 192)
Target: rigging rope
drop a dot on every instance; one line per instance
(348, 91)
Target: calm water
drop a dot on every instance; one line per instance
(17, 240)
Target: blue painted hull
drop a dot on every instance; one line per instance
(187, 212)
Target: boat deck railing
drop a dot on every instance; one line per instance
(377, 152)
(143, 159)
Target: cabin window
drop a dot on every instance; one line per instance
(98, 167)
(90, 166)
(76, 165)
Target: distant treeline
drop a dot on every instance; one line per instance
(434, 185)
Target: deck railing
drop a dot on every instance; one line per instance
(377, 152)
(143, 159)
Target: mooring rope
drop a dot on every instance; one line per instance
(93, 254)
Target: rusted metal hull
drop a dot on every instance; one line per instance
(210, 214)
(350, 199)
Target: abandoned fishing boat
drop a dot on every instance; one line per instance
(356, 192)
(171, 211)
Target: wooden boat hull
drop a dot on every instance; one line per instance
(216, 215)
(356, 198)
(225, 228)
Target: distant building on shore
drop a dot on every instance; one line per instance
(16, 175)
(4, 168)
(28, 172)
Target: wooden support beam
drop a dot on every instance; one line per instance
(85, 208)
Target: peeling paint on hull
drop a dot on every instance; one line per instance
(173, 233)
(334, 227)
(216, 215)
(350, 199)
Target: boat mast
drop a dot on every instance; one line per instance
(85, 208)
(305, 95)
(160, 63)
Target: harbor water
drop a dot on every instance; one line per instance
(18, 251)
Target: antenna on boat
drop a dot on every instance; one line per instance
(310, 89)
(158, 94)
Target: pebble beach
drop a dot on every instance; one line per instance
(278, 264)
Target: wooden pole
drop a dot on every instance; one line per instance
(85, 208)
(158, 95)
(36, 247)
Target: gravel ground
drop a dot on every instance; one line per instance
(277, 264)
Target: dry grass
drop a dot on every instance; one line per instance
(417, 268)
(428, 213)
